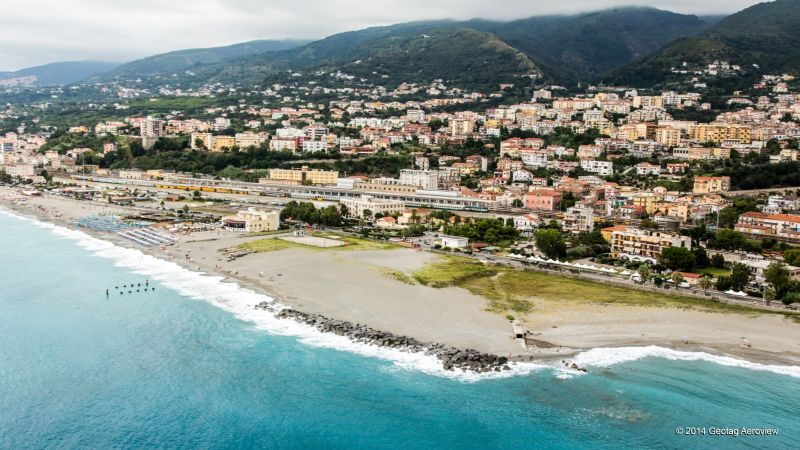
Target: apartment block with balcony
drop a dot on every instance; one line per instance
(638, 244)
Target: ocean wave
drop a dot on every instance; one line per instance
(607, 357)
(240, 301)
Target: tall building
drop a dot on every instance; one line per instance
(461, 126)
(152, 127)
(579, 219)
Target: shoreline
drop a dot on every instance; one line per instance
(287, 294)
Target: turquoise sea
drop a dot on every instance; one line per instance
(190, 365)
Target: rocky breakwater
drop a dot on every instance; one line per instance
(451, 358)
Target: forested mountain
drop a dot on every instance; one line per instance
(66, 72)
(586, 46)
(766, 35)
(180, 61)
(615, 45)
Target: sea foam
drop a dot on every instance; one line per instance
(607, 357)
(240, 301)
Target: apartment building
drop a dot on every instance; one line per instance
(638, 244)
(669, 136)
(222, 143)
(602, 168)
(250, 139)
(645, 168)
(425, 179)
(769, 225)
(461, 126)
(542, 199)
(357, 206)
(727, 134)
(578, 219)
(304, 175)
(711, 185)
(701, 153)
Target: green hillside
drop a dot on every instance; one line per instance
(183, 60)
(564, 49)
(586, 46)
(473, 58)
(66, 72)
(766, 34)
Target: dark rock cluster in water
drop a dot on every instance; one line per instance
(451, 358)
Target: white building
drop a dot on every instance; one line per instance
(152, 128)
(221, 123)
(426, 179)
(645, 168)
(357, 206)
(315, 146)
(250, 139)
(415, 115)
(602, 168)
(253, 221)
(536, 160)
(452, 241)
(579, 219)
(526, 223)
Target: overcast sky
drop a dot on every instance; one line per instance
(36, 32)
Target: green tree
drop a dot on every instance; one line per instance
(791, 297)
(517, 203)
(718, 261)
(700, 256)
(778, 276)
(644, 272)
(648, 223)
(769, 294)
(728, 217)
(740, 276)
(730, 240)
(677, 258)
(551, 243)
(792, 257)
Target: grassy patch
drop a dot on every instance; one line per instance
(453, 271)
(398, 275)
(513, 289)
(715, 272)
(353, 243)
(267, 233)
(268, 245)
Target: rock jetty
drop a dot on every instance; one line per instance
(451, 358)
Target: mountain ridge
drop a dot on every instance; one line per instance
(765, 34)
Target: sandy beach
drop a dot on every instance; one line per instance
(353, 285)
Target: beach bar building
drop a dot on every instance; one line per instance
(253, 221)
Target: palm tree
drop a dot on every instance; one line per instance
(769, 294)
(644, 272)
(677, 278)
(705, 283)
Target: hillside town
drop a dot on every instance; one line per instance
(610, 176)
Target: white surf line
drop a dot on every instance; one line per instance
(607, 357)
(240, 301)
